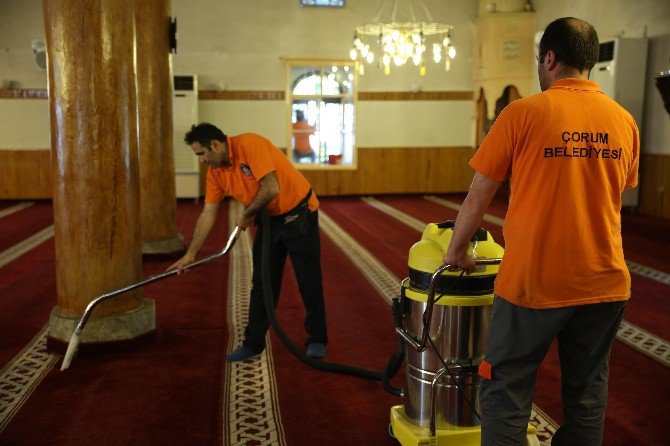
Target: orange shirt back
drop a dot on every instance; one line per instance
(251, 158)
(569, 153)
(301, 132)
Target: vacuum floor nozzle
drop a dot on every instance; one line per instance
(75, 339)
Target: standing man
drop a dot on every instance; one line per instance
(302, 147)
(569, 152)
(252, 170)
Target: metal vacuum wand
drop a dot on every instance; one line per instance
(75, 339)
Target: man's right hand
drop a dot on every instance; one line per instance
(181, 263)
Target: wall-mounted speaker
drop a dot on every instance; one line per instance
(40, 54)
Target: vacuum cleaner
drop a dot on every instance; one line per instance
(446, 341)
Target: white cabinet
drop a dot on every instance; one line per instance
(621, 71)
(184, 115)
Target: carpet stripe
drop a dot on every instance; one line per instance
(641, 340)
(16, 208)
(649, 273)
(377, 274)
(635, 268)
(251, 414)
(457, 207)
(388, 285)
(647, 343)
(16, 251)
(21, 376)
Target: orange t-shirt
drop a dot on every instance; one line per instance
(301, 132)
(251, 158)
(569, 153)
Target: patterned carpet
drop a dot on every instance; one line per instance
(178, 390)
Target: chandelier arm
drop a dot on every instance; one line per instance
(379, 12)
(395, 10)
(425, 10)
(411, 10)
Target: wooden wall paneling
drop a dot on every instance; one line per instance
(398, 170)
(655, 185)
(26, 174)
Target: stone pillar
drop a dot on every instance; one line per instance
(92, 101)
(154, 108)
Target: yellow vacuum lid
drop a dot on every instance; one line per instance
(426, 255)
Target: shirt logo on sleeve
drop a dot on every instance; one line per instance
(246, 170)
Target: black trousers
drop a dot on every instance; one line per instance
(305, 253)
(517, 341)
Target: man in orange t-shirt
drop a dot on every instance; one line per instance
(569, 153)
(252, 170)
(302, 148)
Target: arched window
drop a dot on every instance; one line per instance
(321, 121)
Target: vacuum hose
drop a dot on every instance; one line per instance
(385, 375)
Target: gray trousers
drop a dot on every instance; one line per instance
(517, 342)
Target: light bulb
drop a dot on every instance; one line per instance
(346, 68)
(350, 76)
(364, 50)
(386, 59)
(416, 38)
(353, 54)
(396, 35)
(416, 59)
(357, 42)
(452, 52)
(437, 52)
(398, 61)
(446, 41)
(334, 69)
(370, 57)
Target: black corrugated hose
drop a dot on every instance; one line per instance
(384, 375)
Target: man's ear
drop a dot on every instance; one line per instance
(550, 60)
(216, 145)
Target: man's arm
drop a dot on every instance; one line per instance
(203, 227)
(268, 191)
(469, 219)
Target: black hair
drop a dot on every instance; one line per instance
(573, 41)
(204, 133)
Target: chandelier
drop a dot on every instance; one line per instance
(397, 42)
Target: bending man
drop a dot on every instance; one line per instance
(252, 170)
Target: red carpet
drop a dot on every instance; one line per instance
(171, 391)
(161, 394)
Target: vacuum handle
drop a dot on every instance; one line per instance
(421, 345)
(89, 309)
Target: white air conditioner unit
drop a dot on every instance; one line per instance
(184, 115)
(621, 72)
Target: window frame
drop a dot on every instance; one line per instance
(289, 97)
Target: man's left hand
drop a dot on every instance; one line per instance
(243, 222)
(459, 262)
